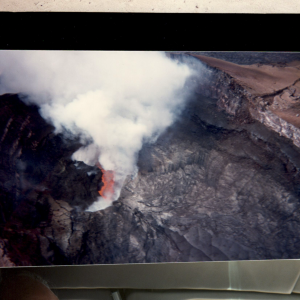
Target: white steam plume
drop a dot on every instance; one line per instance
(119, 99)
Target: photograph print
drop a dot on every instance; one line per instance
(115, 157)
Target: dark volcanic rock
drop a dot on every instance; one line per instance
(204, 193)
(35, 167)
(222, 183)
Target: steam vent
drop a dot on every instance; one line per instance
(220, 182)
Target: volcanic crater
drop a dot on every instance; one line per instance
(221, 183)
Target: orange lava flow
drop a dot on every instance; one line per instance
(107, 189)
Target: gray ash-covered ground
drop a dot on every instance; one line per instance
(215, 186)
(250, 57)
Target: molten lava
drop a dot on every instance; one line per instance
(107, 189)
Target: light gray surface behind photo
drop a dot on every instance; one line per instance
(194, 6)
(277, 276)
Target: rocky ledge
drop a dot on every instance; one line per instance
(222, 183)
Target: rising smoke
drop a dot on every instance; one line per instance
(117, 100)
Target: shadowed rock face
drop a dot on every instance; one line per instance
(220, 184)
(36, 168)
